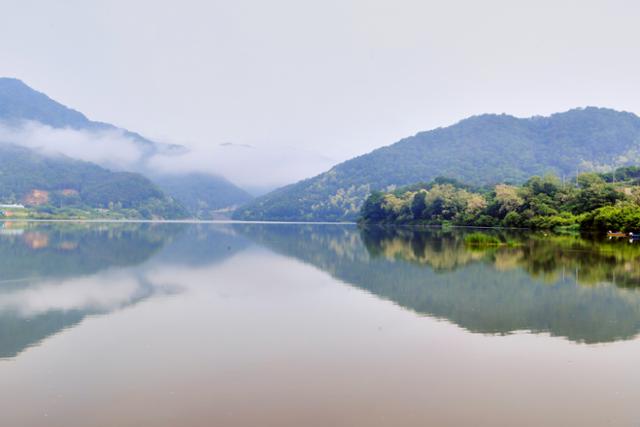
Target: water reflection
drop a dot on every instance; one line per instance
(580, 289)
(589, 260)
(312, 325)
(53, 275)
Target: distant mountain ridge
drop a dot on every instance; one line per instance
(480, 150)
(201, 195)
(20, 103)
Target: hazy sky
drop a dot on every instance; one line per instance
(336, 78)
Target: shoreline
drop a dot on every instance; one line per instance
(174, 221)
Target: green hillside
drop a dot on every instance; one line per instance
(199, 193)
(52, 184)
(481, 150)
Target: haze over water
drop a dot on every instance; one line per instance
(124, 324)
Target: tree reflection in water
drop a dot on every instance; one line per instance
(583, 289)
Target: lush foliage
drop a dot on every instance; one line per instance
(589, 202)
(70, 185)
(483, 150)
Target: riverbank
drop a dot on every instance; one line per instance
(591, 202)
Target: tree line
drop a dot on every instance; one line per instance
(608, 201)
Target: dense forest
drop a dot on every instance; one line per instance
(609, 201)
(483, 150)
(60, 186)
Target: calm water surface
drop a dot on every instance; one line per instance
(313, 325)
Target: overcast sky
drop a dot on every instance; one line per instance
(335, 78)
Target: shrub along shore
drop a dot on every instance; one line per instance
(592, 201)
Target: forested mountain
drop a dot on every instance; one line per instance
(19, 102)
(200, 193)
(480, 150)
(46, 182)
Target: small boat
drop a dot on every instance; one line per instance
(611, 234)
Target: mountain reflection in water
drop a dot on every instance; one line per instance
(568, 286)
(54, 275)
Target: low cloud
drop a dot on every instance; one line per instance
(247, 166)
(110, 148)
(254, 168)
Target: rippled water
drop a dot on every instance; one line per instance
(123, 324)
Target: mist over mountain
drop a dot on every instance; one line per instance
(30, 178)
(202, 194)
(480, 150)
(257, 169)
(32, 120)
(19, 103)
